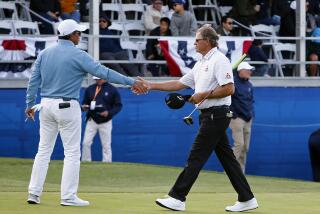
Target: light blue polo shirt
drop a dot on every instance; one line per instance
(59, 71)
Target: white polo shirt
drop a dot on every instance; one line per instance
(213, 70)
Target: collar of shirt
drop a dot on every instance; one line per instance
(226, 32)
(65, 42)
(209, 54)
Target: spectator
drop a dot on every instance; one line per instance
(314, 7)
(84, 11)
(313, 53)
(225, 29)
(312, 45)
(245, 11)
(110, 49)
(310, 20)
(263, 15)
(103, 102)
(69, 10)
(288, 21)
(48, 9)
(256, 53)
(183, 23)
(314, 149)
(153, 51)
(243, 112)
(153, 15)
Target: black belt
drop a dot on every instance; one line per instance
(213, 108)
(63, 98)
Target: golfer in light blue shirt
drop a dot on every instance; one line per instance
(59, 71)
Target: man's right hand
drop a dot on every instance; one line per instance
(85, 107)
(139, 87)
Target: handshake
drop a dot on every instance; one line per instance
(141, 86)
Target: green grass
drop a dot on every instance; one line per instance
(124, 188)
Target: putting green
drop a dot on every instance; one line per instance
(124, 188)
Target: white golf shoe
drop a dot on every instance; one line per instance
(33, 199)
(75, 201)
(171, 203)
(243, 206)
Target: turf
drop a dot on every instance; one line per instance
(124, 188)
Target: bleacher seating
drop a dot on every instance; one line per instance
(25, 27)
(6, 27)
(11, 7)
(127, 20)
(208, 12)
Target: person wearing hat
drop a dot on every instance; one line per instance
(102, 102)
(153, 15)
(243, 113)
(212, 79)
(183, 23)
(110, 49)
(60, 70)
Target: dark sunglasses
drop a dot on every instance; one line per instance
(77, 32)
(230, 23)
(197, 40)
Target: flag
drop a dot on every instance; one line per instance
(180, 53)
(21, 48)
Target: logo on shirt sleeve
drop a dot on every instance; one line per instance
(228, 76)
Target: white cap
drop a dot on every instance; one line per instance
(293, 5)
(96, 78)
(244, 65)
(68, 26)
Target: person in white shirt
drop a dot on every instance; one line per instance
(153, 15)
(212, 80)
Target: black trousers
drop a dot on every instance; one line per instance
(314, 149)
(212, 136)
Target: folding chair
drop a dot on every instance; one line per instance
(209, 12)
(25, 27)
(23, 12)
(4, 5)
(224, 10)
(279, 48)
(113, 11)
(135, 49)
(6, 27)
(133, 12)
(262, 30)
(117, 27)
(134, 29)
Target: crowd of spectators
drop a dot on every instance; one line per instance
(173, 17)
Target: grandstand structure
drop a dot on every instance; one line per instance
(127, 21)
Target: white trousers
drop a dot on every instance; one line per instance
(67, 122)
(241, 133)
(105, 138)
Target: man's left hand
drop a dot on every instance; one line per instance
(30, 113)
(196, 98)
